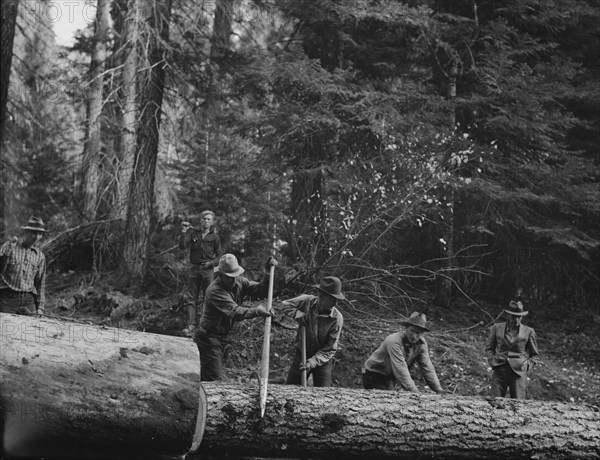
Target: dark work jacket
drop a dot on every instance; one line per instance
(223, 308)
(517, 352)
(322, 331)
(202, 250)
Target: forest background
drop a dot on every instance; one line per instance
(432, 154)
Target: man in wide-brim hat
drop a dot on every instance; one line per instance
(23, 272)
(510, 349)
(323, 324)
(388, 367)
(222, 308)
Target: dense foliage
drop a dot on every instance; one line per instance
(403, 145)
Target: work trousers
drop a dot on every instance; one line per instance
(504, 377)
(199, 278)
(19, 303)
(321, 374)
(373, 380)
(211, 350)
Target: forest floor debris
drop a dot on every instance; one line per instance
(568, 369)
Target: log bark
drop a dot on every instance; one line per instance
(74, 390)
(351, 423)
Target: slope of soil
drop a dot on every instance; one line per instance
(568, 369)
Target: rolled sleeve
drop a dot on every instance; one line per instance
(40, 286)
(185, 239)
(400, 369)
(532, 347)
(428, 370)
(327, 352)
(223, 302)
(490, 345)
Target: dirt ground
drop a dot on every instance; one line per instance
(568, 367)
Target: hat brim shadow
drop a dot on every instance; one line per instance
(238, 272)
(408, 323)
(515, 313)
(339, 296)
(27, 227)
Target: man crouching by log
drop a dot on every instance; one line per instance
(389, 365)
(510, 348)
(223, 307)
(318, 335)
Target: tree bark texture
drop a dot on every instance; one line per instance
(219, 49)
(93, 142)
(155, 32)
(128, 56)
(8, 21)
(351, 423)
(74, 390)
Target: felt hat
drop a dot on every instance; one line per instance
(35, 224)
(204, 213)
(515, 309)
(416, 319)
(228, 265)
(331, 285)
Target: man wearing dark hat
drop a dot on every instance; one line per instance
(389, 365)
(23, 272)
(222, 307)
(205, 250)
(323, 325)
(510, 349)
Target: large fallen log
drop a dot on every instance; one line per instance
(82, 391)
(74, 390)
(347, 423)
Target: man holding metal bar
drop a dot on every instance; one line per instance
(321, 325)
(223, 307)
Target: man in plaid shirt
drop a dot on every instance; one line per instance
(23, 272)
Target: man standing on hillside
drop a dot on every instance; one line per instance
(510, 349)
(23, 272)
(205, 250)
(322, 323)
(222, 308)
(389, 365)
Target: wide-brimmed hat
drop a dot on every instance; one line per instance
(228, 265)
(416, 319)
(515, 309)
(204, 213)
(331, 285)
(35, 224)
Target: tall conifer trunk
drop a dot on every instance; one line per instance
(154, 32)
(93, 142)
(8, 21)
(128, 110)
(220, 46)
